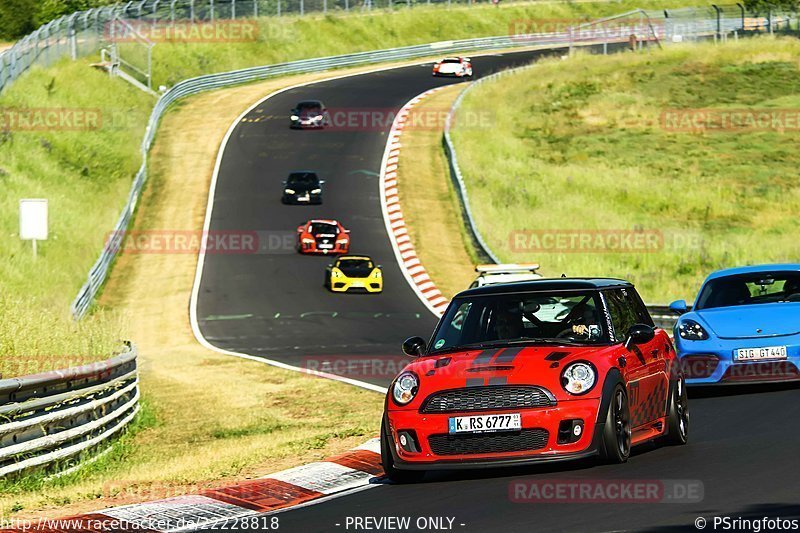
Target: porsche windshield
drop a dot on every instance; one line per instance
(557, 317)
(748, 289)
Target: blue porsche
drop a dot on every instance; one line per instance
(743, 328)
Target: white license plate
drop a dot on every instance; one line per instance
(484, 423)
(326, 246)
(758, 354)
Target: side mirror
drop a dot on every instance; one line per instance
(679, 306)
(414, 346)
(347, 231)
(639, 334)
(321, 182)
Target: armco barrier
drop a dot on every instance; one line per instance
(57, 416)
(99, 271)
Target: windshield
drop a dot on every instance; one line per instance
(304, 179)
(747, 289)
(558, 317)
(309, 107)
(323, 228)
(451, 61)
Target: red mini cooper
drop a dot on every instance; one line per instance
(534, 371)
(323, 237)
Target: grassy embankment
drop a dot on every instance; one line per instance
(186, 437)
(594, 147)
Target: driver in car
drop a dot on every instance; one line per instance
(508, 324)
(585, 324)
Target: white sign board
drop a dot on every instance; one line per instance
(33, 219)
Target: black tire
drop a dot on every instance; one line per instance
(677, 414)
(616, 442)
(387, 460)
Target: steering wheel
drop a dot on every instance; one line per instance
(569, 335)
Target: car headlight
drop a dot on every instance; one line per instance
(336, 274)
(578, 378)
(376, 273)
(316, 191)
(310, 241)
(341, 241)
(295, 117)
(289, 191)
(692, 331)
(405, 388)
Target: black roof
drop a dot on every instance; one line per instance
(547, 284)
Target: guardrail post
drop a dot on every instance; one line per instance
(302, 8)
(769, 19)
(741, 8)
(324, 6)
(211, 6)
(191, 10)
(346, 6)
(255, 8)
(233, 9)
(73, 41)
(718, 34)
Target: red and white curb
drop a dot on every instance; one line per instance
(412, 268)
(351, 470)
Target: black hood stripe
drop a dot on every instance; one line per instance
(508, 355)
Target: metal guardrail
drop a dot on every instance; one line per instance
(99, 271)
(54, 417)
(669, 26)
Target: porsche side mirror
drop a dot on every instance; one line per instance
(639, 334)
(679, 306)
(414, 346)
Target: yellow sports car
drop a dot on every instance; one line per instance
(354, 273)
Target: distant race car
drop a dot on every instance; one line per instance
(489, 274)
(460, 67)
(323, 237)
(303, 187)
(743, 328)
(309, 114)
(500, 385)
(354, 273)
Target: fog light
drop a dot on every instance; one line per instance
(408, 441)
(403, 440)
(577, 430)
(570, 431)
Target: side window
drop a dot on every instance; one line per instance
(623, 315)
(635, 302)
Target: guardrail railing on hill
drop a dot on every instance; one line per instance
(57, 416)
(99, 271)
(669, 27)
(629, 25)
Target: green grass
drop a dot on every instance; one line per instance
(585, 150)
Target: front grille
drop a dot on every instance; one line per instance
(487, 399)
(525, 440)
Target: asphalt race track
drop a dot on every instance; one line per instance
(743, 459)
(272, 303)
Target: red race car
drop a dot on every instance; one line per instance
(509, 378)
(323, 237)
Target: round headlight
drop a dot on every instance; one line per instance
(578, 378)
(295, 117)
(405, 388)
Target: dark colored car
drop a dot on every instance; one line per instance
(302, 187)
(309, 114)
(504, 381)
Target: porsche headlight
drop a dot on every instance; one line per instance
(336, 274)
(316, 191)
(691, 331)
(578, 378)
(289, 191)
(405, 388)
(295, 117)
